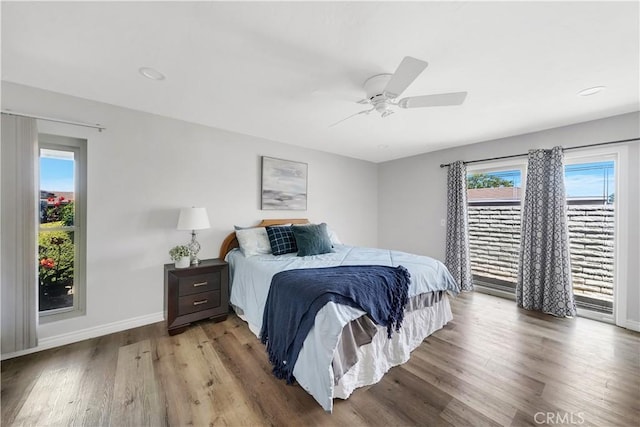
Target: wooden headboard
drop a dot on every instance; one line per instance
(231, 241)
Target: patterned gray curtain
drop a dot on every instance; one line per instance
(457, 256)
(544, 274)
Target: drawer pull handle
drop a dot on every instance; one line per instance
(195, 285)
(204, 301)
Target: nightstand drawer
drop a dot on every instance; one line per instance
(198, 302)
(195, 293)
(198, 283)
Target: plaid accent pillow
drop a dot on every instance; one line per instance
(281, 239)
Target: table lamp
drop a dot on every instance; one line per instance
(193, 219)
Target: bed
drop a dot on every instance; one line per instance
(344, 350)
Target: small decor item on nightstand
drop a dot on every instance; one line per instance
(181, 255)
(193, 219)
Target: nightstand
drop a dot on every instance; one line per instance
(195, 293)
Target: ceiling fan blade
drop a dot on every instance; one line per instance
(353, 115)
(407, 71)
(438, 100)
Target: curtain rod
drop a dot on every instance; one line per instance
(525, 154)
(50, 119)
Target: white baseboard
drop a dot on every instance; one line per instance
(83, 334)
(634, 325)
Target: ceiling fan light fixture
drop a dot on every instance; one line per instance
(381, 107)
(382, 91)
(384, 108)
(591, 90)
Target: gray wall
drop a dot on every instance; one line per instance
(412, 191)
(144, 168)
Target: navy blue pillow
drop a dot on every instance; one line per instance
(281, 239)
(312, 239)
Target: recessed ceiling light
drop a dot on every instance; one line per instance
(152, 74)
(591, 90)
(383, 147)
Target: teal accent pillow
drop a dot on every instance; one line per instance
(312, 239)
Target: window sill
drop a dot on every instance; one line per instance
(60, 314)
(596, 315)
(495, 292)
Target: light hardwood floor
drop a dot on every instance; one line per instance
(493, 364)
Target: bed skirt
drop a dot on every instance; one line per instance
(382, 354)
(375, 358)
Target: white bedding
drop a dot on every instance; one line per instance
(250, 281)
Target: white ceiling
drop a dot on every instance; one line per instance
(286, 71)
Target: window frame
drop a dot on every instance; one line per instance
(489, 285)
(79, 148)
(618, 154)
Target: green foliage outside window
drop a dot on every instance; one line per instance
(60, 210)
(56, 256)
(485, 180)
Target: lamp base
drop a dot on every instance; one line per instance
(194, 247)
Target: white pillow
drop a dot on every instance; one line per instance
(333, 237)
(254, 241)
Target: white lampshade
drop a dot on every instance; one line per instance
(193, 219)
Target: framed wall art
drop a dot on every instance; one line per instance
(284, 184)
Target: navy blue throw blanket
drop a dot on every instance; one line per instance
(296, 296)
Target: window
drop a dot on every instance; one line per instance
(61, 234)
(591, 221)
(494, 197)
(592, 181)
(495, 186)
(494, 204)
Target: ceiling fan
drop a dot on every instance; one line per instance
(383, 89)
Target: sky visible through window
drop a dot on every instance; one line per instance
(582, 180)
(56, 174)
(595, 179)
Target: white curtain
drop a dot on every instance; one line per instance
(18, 211)
(457, 257)
(544, 276)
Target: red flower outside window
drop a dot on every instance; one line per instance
(47, 262)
